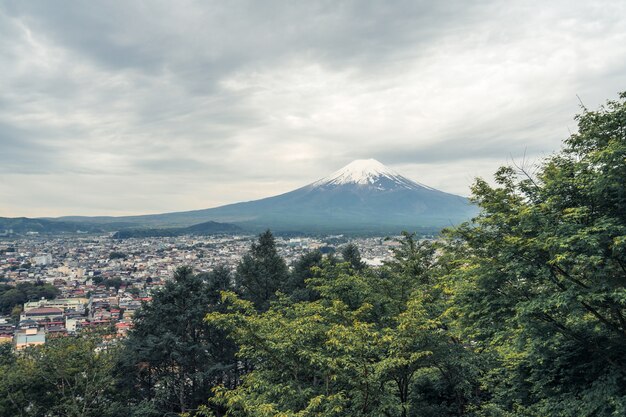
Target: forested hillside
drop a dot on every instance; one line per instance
(518, 313)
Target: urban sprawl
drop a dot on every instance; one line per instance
(101, 281)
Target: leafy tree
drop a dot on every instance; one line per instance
(303, 270)
(353, 351)
(413, 267)
(261, 272)
(11, 297)
(172, 357)
(413, 258)
(134, 291)
(68, 377)
(218, 280)
(16, 312)
(112, 282)
(351, 254)
(542, 283)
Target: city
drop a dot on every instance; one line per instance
(101, 281)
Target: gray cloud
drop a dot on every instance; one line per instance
(165, 106)
(17, 151)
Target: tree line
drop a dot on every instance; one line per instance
(13, 297)
(520, 312)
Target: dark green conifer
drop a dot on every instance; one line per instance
(261, 272)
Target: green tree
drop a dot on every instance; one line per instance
(172, 357)
(353, 351)
(351, 254)
(261, 272)
(67, 377)
(112, 282)
(218, 280)
(11, 297)
(302, 270)
(542, 283)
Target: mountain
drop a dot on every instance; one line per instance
(24, 225)
(202, 229)
(364, 196)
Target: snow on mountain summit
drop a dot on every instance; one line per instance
(367, 172)
(361, 171)
(364, 196)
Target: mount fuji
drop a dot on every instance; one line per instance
(363, 196)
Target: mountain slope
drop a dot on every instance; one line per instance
(365, 195)
(203, 229)
(23, 225)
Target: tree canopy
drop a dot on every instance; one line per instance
(12, 296)
(261, 272)
(543, 274)
(172, 356)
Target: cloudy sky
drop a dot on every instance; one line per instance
(130, 107)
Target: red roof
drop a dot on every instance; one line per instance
(44, 311)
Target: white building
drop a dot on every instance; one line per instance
(42, 259)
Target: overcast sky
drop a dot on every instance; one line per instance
(131, 107)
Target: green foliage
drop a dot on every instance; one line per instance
(351, 254)
(303, 270)
(218, 280)
(172, 357)
(542, 281)
(261, 272)
(108, 282)
(357, 349)
(11, 297)
(68, 377)
(112, 282)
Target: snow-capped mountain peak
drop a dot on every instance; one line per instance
(367, 172)
(361, 171)
(364, 196)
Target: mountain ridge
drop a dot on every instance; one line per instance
(200, 229)
(363, 195)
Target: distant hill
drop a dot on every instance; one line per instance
(24, 225)
(364, 196)
(201, 229)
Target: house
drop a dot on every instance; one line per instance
(76, 304)
(42, 313)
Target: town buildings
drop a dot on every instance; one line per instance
(103, 281)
